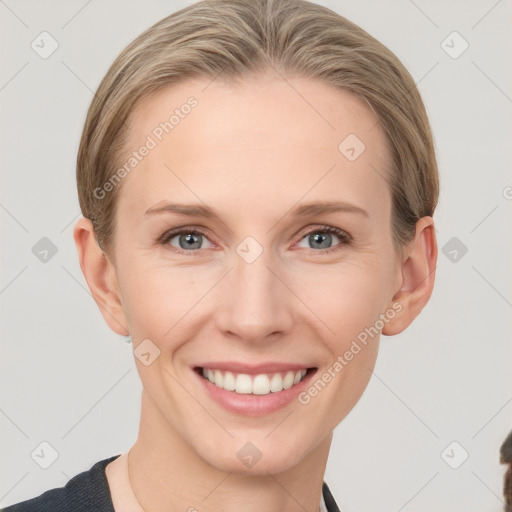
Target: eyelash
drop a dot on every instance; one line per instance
(345, 239)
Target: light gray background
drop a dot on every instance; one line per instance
(68, 380)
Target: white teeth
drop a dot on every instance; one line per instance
(261, 384)
(219, 380)
(276, 383)
(229, 381)
(243, 384)
(288, 380)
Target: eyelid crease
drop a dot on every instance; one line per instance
(345, 237)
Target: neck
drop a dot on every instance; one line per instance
(166, 474)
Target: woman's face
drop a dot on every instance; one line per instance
(259, 287)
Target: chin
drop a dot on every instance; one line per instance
(261, 467)
(259, 457)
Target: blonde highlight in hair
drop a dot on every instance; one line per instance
(237, 38)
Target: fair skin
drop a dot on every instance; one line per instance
(253, 152)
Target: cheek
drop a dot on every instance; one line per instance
(156, 296)
(346, 298)
(349, 303)
(341, 299)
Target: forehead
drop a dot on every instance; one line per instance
(307, 110)
(263, 137)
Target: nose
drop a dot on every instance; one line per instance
(254, 303)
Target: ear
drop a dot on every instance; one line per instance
(418, 275)
(100, 275)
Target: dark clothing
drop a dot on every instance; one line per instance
(89, 492)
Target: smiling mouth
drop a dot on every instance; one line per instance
(260, 384)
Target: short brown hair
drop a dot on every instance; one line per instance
(239, 37)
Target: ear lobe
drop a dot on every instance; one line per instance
(100, 275)
(418, 276)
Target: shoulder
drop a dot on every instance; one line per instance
(84, 492)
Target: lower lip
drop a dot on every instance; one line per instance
(254, 405)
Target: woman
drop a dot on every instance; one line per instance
(257, 182)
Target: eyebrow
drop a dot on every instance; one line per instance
(305, 209)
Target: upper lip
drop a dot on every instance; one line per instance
(252, 369)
